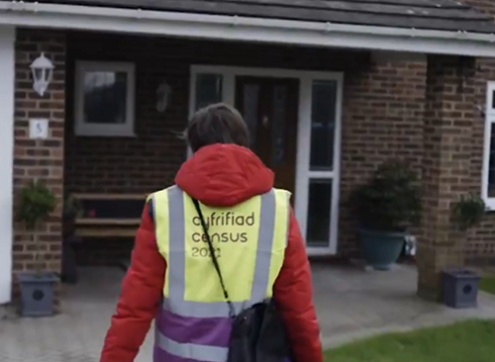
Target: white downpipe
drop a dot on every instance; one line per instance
(7, 37)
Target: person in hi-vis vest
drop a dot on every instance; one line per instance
(256, 240)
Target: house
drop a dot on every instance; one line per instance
(330, 89)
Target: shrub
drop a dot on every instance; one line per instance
(390, 200)
(468, 211)
(36, 203)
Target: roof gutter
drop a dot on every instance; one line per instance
(245, 29)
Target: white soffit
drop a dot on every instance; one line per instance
(246, 29)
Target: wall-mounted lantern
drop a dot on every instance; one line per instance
(163, 93)
(42, 71)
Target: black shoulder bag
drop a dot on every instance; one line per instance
(258, 333)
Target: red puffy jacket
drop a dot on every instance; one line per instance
(217, 175)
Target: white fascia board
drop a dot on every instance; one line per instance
(246, 29)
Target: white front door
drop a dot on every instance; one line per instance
(318, 141)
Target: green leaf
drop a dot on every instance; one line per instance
(390, 200)
(36, 203)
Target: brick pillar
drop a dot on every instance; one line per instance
(448, 120)
(41, 159)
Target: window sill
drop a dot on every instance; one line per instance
(490, 204)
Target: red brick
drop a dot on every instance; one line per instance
(384, 104)
(29, 155)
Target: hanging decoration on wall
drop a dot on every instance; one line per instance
(42, 71)
(163, 93)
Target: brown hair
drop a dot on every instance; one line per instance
(217, 123)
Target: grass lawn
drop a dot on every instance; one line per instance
(471, 341)
(487, 284)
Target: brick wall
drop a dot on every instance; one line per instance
(447, 159)
(382, 115)
(150, 160)
(481, 244)
(382, 119)
(43, 159)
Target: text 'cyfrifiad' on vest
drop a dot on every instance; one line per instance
(228, 218)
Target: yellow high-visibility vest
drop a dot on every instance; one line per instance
(249, 241)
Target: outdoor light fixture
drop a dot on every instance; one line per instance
(163, 93)
(42, 70)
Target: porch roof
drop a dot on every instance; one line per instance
(445, 15)
(419, 26)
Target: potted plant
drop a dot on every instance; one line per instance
(468, 211)
(387, 205)
(459, 285)
(36, 203)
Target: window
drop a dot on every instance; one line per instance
(104, 103)
(208, 90)
(488, 181)
(322, 125)
(319, 212)
(321, 170)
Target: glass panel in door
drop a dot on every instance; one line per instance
(270, 107)
(322, 125)
(278, 125)
(319, 212)
(250, 112)
(321, 164)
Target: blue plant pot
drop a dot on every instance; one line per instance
(381, 249)
(37, 293)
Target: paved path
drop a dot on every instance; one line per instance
(351, 303)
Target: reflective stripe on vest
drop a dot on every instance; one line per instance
(200, 330)
(188, 351)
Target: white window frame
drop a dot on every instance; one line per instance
(303, 173)
(489, 122)
(82, 128)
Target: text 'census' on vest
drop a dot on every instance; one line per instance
(235, 229)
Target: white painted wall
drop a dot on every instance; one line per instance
(7, 37)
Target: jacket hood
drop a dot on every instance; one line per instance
(224, 175)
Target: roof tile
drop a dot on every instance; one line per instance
(445, 15)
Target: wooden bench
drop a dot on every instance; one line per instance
(109, 216)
